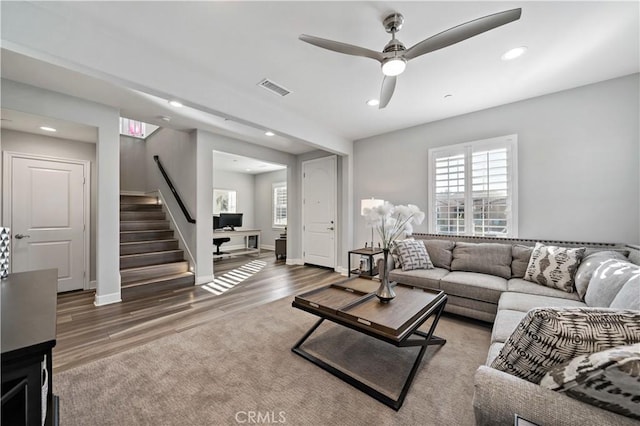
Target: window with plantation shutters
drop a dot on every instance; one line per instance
(473, 188)
(279, 205)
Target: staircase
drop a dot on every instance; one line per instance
(150, 258)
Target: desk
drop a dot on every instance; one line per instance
(29, 302)
(252, 240)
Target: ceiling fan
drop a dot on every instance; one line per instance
(394, 56)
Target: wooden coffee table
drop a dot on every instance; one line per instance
(353, 304)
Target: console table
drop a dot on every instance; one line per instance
(252, 237)
(29, 302)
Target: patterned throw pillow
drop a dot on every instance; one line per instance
(554, 266)
(547, 337)
(609, 379)
(413, 255)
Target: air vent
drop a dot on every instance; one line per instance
(273, 87)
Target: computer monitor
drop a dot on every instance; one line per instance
(229, 220)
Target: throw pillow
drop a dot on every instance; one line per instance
(588, 266)
(395, 256)
(521, 255)
(609, 379)
(440, 252)
(607, 281)
(629, 296)
(413, 255)
(554, 266)
(547, 337)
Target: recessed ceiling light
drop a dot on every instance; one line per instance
(248, 170)
(514, 53)
(373, 102)
(269, 133)
(175, 104)
(165, 118)
(448, 95)
(48, 129)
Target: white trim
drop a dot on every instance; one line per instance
(172, 221)
(136, 193)
(267, 247)
(92, 285)
(295, 261)
(7, 170)
(107, 299)
(275, 185)
(342, 271)
(204, 280)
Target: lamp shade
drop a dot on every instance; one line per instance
(369, 203)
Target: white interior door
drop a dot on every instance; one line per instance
(47, 217)
(319, 189)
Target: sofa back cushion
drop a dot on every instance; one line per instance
(485, 258)
(608, 279)
(628, 297)
(588, 266)
(547, 337)
(521, 255)
(440, 252)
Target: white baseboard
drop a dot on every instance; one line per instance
(92, 285)
(295, 261)
(341, 270)
(107, 299)
(204, 279)
(267, 247)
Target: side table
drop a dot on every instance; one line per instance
(281, 248)
(369, 253)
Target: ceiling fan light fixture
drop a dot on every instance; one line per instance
(393, 66)
(514, 53)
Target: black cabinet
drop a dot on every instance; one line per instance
(281, 248)
(28, 336)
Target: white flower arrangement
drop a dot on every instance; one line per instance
(393, 222)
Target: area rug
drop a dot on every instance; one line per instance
(240, 370)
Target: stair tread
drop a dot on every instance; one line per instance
(150, 253)
(144, 230)
(148, 241)
(151, 267)
(157, 279)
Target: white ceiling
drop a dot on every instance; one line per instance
(211, 55)
(239, 164)
(30, 123)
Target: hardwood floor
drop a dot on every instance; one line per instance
(86, 332)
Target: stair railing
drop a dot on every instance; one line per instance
(173, 190)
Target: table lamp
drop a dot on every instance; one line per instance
(370, 203)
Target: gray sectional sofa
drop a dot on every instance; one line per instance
(484, 279)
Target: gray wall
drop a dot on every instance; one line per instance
(30, 143)
(133, 170)
(243, 184)
(263, 205)
(579, 157)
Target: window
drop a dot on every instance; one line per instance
(473, 188)
(280, 205)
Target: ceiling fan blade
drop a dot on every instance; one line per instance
(462, 32)
(347, 49)
(388, 86)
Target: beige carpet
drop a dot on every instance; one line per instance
(240, 370)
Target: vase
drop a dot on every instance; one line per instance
(385, 292)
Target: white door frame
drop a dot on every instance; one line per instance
(335, 208)
(8, 157)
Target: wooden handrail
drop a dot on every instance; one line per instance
(173, 190)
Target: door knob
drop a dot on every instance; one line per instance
(330, 229)
(21, 236)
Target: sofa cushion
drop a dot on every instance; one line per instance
(554, 266)
(440, 252)
(525, 302)
(506, 323)
(474, 285)
(423, 278)
(588, 266)
(522, 286)
(520, 260)
(629, 296)
(608, 379)
(413, 255)
(547, 337)
(607, 280)
(494, 350)
(485, 258)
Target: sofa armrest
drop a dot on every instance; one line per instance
(498, 396)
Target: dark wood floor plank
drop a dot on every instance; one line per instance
(86, 332)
